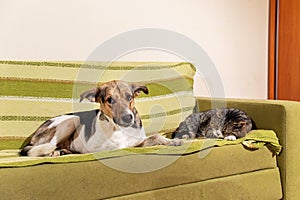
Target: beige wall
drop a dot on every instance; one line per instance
(232, 32)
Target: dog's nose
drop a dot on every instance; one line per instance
(127, 118)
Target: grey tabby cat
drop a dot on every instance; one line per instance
(226, 123)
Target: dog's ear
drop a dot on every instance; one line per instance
(138, 88)
(95, 95)
(91, 95)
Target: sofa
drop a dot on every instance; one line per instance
(262, 165)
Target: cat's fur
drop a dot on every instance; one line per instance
(226, 123)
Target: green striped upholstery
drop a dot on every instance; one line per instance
(31, 92)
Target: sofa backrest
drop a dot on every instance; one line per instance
(32, 92)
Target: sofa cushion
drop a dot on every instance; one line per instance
(32, 92)
(230, 187)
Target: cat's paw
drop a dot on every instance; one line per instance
(175, 142)
(230, 138)
(186, 137)
(189, 135)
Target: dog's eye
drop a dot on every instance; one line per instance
(110, 100)
(129, 97)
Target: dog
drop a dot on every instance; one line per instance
(115, 125)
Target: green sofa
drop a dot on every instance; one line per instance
(201, 169)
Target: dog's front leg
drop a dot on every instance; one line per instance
(63, 132)
(160, 140)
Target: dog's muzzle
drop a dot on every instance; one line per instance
(125, 120)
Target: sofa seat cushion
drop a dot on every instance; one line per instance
(132, 174)
(254, 140)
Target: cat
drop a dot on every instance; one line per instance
(224, 123)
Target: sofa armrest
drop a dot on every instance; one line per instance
(281, 116)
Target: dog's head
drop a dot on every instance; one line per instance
(116, 100)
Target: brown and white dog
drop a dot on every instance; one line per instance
(115, 125)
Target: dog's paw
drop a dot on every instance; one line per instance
(55, 153)
(160, 140)
(175, 142)
(60, 152)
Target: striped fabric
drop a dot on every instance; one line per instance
(31, 92)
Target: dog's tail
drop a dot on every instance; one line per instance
(25, 150)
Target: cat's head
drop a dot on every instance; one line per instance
(216, 124)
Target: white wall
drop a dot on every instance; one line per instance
(232, 32)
